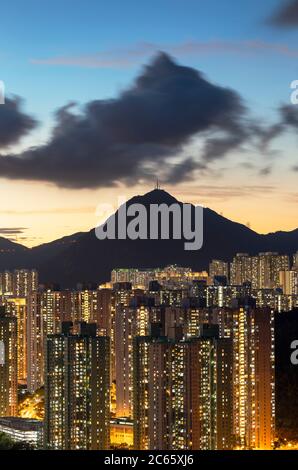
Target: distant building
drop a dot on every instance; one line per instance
(124, 275)
(270, 264)
(121, 433)
(6, 283)
(289, 282)
(295, 261)
(25, 281)
(19, 283)
(241, 269)
(261, 271)
(23, 430)
(218, 268)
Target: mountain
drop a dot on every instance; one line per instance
(11, 253)
(83, 258)
(42, 253)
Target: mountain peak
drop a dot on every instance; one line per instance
(156, 196)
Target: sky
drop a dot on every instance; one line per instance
(113, 94)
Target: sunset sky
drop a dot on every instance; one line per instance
(235, 151)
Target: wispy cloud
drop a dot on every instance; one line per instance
(127, 57)
(292, 198)
(54, 211)
(206, 193)
(12, 230)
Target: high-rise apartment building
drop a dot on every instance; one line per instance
(25, 281)
(288, 281)
(101, 315)
(241, 269)
(6, 283)
(270, 264)
(261, 271)
(253, 377)
(124, 334)
(124, 275)
(120, 298)
(252, 332)
(77, 385)
(19, 283)
(183, 392)
(35, 343)
(8, 364)
(43, 319)
(218, 268)
(17, 307)
(48, 308)
(295, 261)
(63, 308)
(263, 320)
(129, 322)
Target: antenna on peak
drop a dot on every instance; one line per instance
(157, 184)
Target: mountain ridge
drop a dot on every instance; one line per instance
(81, 257)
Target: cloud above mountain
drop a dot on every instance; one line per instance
(287, 14)
(147, 130)
(130, 138)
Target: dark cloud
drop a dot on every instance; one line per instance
(265, 135)
(217, 147)
(132, 137)
(287, 15)
(289, 116)
(184, 170)
(288, 120)
(14, 124)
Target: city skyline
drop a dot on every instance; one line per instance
(149, 231)
(101, 61)
(160, 359)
